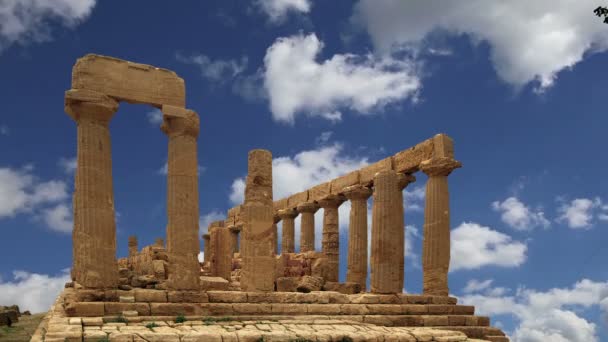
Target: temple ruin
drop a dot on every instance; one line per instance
(245, 290)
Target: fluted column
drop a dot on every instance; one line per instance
(288, 239)
(206, 247)
(307, 226)
(357, 235)
(132, 245)
(385, 257)
(402, 182)
(94, 233)
(331, 234)
(182, 128)
(436, 243)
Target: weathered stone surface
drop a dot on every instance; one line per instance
(338, 184)
(221, 252)
(288, 226)
(128, 81)
(187, 297)
(307, 226)
(309, 283)
(317, 193)
(214, 283)
(157, 296)
(367, 174)
(297, 199)
(345, 288)
(287, 284)
(331, 234)
(132, 245)
(357, 235)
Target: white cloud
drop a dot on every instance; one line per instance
(546, 316)
(155, 116)
(413, 198)
(305, 170)
(518, 216)
(4, 130)
(474, 246)
(163, 170)
(32, 291)
(528, 41)
(277, 10)
(205, 220)
(24, 21)
(579, 213)
(412, 234)
(216, 70)
(323, 138)
(201, 256)
(475, 285)
(297, 83)
(68, 164)
(59, 218)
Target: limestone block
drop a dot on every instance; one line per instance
(309, 283)
(185, 296)
(319, 192)
(234, 212)
(92, 309)
(92, 321)
(338, 184)
(252, 309)
(217, 309)
(323, 309)
(258, 187)
(431, 321)
(227, 297)
(128, 81)
(443, 146)
(175, 309)
(213, 283)
(407, 161)
(367, 173)
(280, 204)
(257, 250)
(297, 199)
(287, 284)
(288, 309)
(112, 308)
(345, 288)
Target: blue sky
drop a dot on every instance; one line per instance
(329, 87)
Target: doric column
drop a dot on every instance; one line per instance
(94, 233)
(436, 243)
(234, 235)
(357, 235)
(182, 128)
(331, 234)
(206, 247)
(385, 259)
(402, 181)
(288, 239)
(132, 245)
(257, 214)
(307, 226)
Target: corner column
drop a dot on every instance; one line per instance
(288, 239)
(307, 226)
(385, 259)
(357, 235)
(94, 233)
(436, 243)
(182, 127)
(331, 234)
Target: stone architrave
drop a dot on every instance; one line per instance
(94, 233)
(182, 128)
(436, 242)
(288, 239)
(221, 246)
(257, 215)
(331, 234)
(357, 235)
(385, 258)
(132, 245)
(307, 226)
(206, 247)
(402, 182)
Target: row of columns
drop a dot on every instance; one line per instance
(94, 233)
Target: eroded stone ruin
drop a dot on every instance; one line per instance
(245, 290)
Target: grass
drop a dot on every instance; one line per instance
(180, 319)
(118, 319)
(151, 325)
(21, 330)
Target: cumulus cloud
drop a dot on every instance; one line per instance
(475, 285)
(528, 42)
(205, 220)
(277, 10)
(215, 70)
(323, 138)
(59, 218)
(32, 291)
(545, 316)
(413, 198)
(201, 256)
(155, 117)
(474, 246)
(519, 216)
(297, 83)
(580, 212)
(68, 165)
(24, 21)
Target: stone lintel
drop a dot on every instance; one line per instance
(287, 213)
(308, 207)
(357, 192)
(331, 201)
(79, 102)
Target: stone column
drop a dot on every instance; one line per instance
(94, 233)
(182, 128)
(221, 247)
(257, 214)
(436, 242)
(234, 235)
(357, 235)
(402, 181)
(206, 247)
(331, 234)
(132, 245)
(385, 258)
(307, 226)
(288, 240)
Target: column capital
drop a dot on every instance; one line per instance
(287, 213)
(179, 121)
(354, 192)
(308, 207)
(441, 166)
(83, 103)
(404, 179)
(331, 201)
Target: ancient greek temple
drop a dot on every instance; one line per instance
(245, 290)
